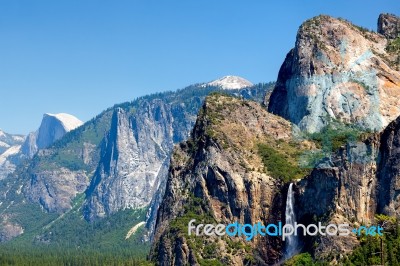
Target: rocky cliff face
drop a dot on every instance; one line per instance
(345, 187)
(9, 140)
(134, 151)
(218, 176)
(55, 189)
(338, 71)
(389, 170)
(389, 26)
(354, 184)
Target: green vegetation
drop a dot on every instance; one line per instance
(369, 253)
(70, 240)
(55, 257)
(394, 46)
(194, 209)
(303, 259)
(361, 29)
(210, 262)
(281, 165)
(329, 140)
(335, 135)
(204, 249)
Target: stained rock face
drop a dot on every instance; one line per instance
(337, 71)
(389, 26)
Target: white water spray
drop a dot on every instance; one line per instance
(291, 242)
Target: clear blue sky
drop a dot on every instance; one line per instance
(81, 56)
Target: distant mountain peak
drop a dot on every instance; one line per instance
(230, 82)
(69, 122)
(52, 128)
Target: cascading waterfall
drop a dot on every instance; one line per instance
(291, 242)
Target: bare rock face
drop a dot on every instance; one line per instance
(9, 230)
(218, 175)
(29, 148)
(357, 182)
(55, 189)
(133, 154)
(337, 71)
(345, 187)
(389, 26)
(389, 170)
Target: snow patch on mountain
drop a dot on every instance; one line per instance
(11, 151)
(52, 128)
(230, 83)
(18, 138)
(3, 144)
(69, 122)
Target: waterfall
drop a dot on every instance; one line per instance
(291, 242)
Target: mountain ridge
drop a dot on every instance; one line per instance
(76, 156)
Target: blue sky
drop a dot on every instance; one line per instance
(81, 56)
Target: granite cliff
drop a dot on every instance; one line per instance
(339, 71)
